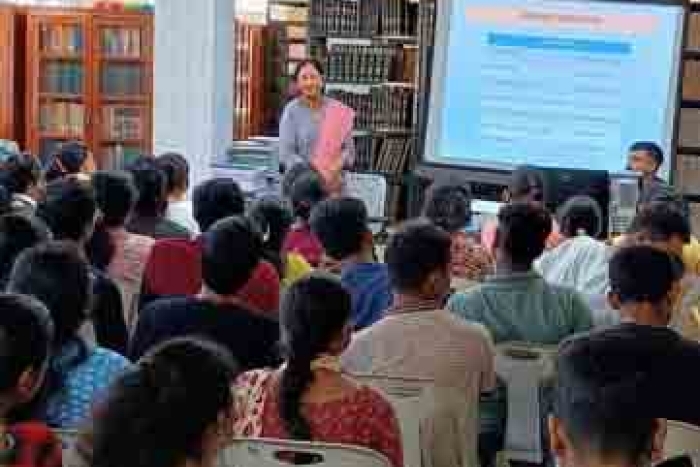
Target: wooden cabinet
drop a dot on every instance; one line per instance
(7, 72)
(89, 78)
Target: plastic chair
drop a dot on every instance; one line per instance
(527, 370)
(682, 439)
(283, 453)
(372, 189)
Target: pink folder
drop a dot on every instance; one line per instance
(335, 127)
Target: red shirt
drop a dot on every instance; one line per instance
(35, 445)
(302, 241)
(175, 269)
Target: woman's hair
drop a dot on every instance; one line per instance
(273, 220)
(526, 181)
(307, 191)
(314, 311)
(67, 160)
(151, 184)
(176, 170)
(20, 172)
(158, 414)
(18, 233)
(448, 207)
(580, 214)
(308, 62)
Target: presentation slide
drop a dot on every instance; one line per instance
(552, 83)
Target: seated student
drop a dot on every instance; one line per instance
(17, 233)
(148, 217)
(341, 224)
(645, 285)
(26, 333)
(175, 266)
(517, 304)
(418, 338)
(70, 210)
(274, 220)
(309, 398)
(580, 261)
(231, 250)
(177, 172)
(306, 192)
(71, 159)
(526, 186)
(122, 255)
(22, 177)
(600, 419)
(449, 207)
(172, 410)
(79, 372)
(664, 226)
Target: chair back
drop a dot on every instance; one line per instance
(682, 439)
(527, 370)
(283, 453)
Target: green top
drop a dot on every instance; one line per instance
(523, 307)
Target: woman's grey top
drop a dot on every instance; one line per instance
(298, 132)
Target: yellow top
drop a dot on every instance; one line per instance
(295, 267)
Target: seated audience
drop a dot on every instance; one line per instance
(418, 338)
(231, 250)
(175, 265)
(517, 304)
(341, 224)
(79, 372)
(645, 285)
(275, 220)
(72, 159)
(122, 255)
(526, 186)
(599, 417)
(177, 173)
(148, 217)
(664, 226)
(172, 410)
(22, 177)
(449, 207)
(305, 193)
(309, 398)
(17, 233)
(580, 261)
(70, 210)
(26, 333)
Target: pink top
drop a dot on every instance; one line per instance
(363, 418)
(470, 260)
(488, 236)
(302, 241)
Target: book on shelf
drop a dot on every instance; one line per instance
(61, 77)
(364, 18)
(288, 13)
(121, 42)
(118, 157)
(122, 80)
(61, 39)
(123, 123)
(66, 118)
(352, 63)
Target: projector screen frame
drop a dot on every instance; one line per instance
(439, 170)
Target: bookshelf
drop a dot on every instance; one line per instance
(371, 51)
(89, 77)
(249, 79)
(7, 72)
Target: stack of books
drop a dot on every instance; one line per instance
(399, 18)
(363, 64)
(65, 118)
(361, 103)
(122, 80)
(121, 42)
(392, 107)
(62, 78)
(392, 155)
(61, 39)
(364, 146)
(344, 18)
(123, 123)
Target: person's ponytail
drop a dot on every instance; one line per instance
(295, 380)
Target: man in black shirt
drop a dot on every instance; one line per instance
(645, 286)
(231, 250)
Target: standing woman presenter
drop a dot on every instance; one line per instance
(316, 130)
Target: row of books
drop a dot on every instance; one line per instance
(121, 42)
(61, 39)
(62, 77)
(360, 63)
(67, 118)
(390, 155)
(364, 18)
(123, 123)
(122, 80)
(386, 107)
(118, 157)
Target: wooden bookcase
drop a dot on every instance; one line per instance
(7, 72)
(89, 77)
(249, 79)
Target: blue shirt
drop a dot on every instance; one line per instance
(369, 286)
(84, 379)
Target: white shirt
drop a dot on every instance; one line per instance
(180, 212)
